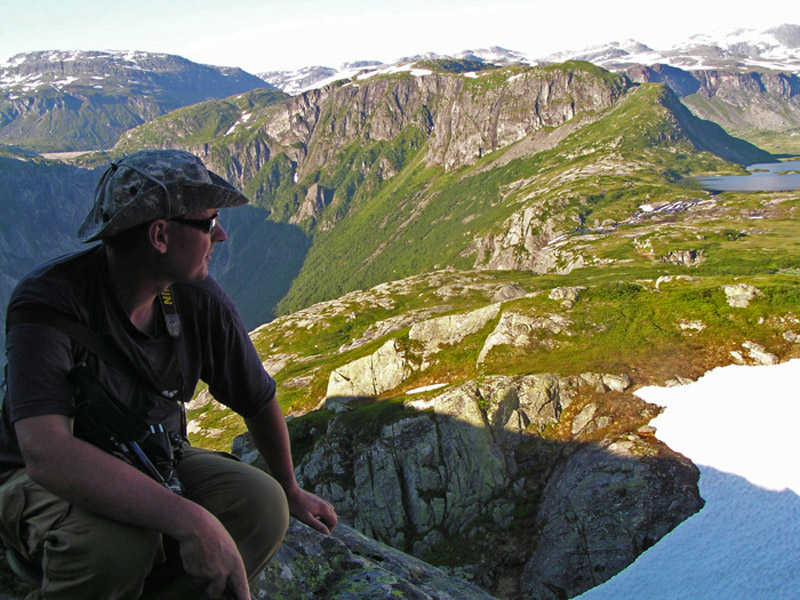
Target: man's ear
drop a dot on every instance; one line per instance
(157, 235)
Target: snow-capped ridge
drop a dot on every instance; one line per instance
(495, 55)
(308, 78)
(776, 48)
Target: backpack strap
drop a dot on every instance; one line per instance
(74, 329)
(100, 346)
(104, 420)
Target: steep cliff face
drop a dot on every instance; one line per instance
(462, 118)
(43, 203)
(734, 100)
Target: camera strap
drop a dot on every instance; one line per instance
(170, 309)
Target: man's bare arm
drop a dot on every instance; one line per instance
(271, 438)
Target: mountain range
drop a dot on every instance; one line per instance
(458, 270)
(775, 49)
(41, 92)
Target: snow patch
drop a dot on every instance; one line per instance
(405, 68)
(738, 424)
(708, 420)
(66, 81)
(426, 388)
(243, 119)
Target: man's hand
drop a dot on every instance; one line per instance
(311, 510)
(209, 555)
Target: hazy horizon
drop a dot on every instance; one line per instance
(270, 36)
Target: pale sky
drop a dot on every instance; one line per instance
(263, 35)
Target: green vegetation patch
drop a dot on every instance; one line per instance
(454, 65)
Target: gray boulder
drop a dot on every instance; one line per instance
(531, 483)
(519, 330)
(451, 329)
(371, 375)
(603, 506)
(739, 295)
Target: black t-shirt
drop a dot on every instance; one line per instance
(213, 346)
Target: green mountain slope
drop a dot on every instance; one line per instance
(426, 218)
(60, 101)
(201, 123)
(398, 175)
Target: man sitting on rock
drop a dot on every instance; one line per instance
(97, 524)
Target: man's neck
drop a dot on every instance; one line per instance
(136, 289)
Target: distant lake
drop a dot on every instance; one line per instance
(764, 177)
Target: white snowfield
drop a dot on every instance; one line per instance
(739, 425)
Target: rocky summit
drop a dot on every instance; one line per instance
(460, 270)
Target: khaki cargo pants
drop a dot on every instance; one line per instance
(87, 557)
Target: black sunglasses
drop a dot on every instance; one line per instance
(205, 225)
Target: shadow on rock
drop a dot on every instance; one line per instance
(528, 487)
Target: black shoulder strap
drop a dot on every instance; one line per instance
(79, 332)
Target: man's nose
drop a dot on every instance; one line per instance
(218, 235)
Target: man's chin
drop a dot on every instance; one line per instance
(197, 276)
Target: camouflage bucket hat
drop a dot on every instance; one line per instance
(154, 184)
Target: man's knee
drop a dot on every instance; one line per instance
(260, 523)
(275, 509)
(248, 501)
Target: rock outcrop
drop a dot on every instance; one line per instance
(740, 294)
(482, 462)
(519, 330)
(372, 375)
(756, 354)
(349, 566)
(602, 507)
(451, 329)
